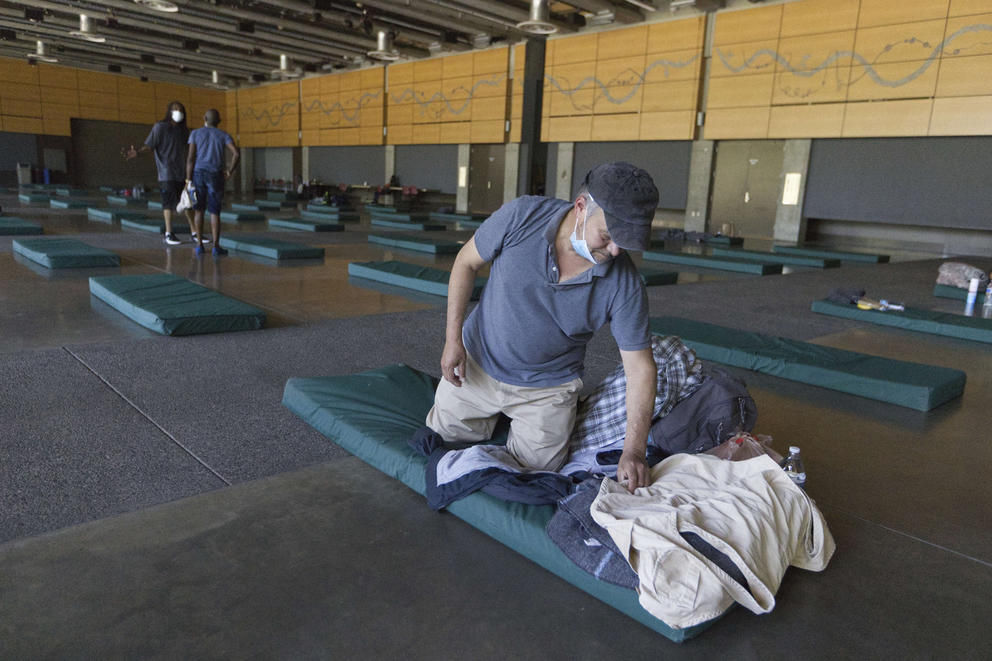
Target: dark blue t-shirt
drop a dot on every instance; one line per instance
(210, 142)
(531, 330)
(168, 142)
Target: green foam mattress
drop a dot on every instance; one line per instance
(66, 203)
(714, 262)
(409, 216)
(33, 198)
(418, 243)
(652, 277)
(171, 305)
(947, 291)
(329, 215)
(236, 206)
(64, 253)
(439, 217)
(306, 225)
(372, 414)
(71, 192)
(833, 254)
(410, 276)
(152, 204)
(10, 225)
(323, 207)
(915, 319)
(281, 196)
(273, 204)
(148, 224)
(240, 216)
(121, 201)
(913, 385)
(112, 214)
(792, 260)
(408, 225)
(725, 240)
(273, 248)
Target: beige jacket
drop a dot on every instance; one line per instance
(749, 510)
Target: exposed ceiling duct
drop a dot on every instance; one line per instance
(159, 5)
(539, 21)
(86, 31)
(40, 54)
(384, 51)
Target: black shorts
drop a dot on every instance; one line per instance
(171, 190)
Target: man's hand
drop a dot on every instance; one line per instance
(453, 363)
(129, 152)
(633, 467)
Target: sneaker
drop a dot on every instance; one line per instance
(205, 239)
(171, 239)
(218, 251)
(198, 250)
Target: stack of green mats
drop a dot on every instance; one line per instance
(408, 216)
(439, 217)
(306, 225)
(10, 225)
(239, 216)
(832, 254)
(63, 203)
(65, 253)
(915, 319)
(372, 414)
(235, 206)
(651, 277)
(409, 276)
(725, 240)
(171, 305)
(71, 192)
(157, 225)
(407, 225)
(272, 248)
(913, 385)
(331, 215)
(792, 260)
(947, 291)
(121, 201)
(418, 243)
(711, 262)
(110, 215)
(273, 204)
(34, 198)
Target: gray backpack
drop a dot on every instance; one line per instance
(719, 408)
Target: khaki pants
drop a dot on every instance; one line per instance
(541, 418)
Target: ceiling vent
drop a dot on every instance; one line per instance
(41, 55)
(284, 71)
(86, 31)
(538, 22)
(159, 5)
(384, 51)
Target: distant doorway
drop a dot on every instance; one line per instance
(485, 178)
(746, 186)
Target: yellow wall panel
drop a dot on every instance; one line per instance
(618, 99)
(740, 91)
(399, 73)
(373, 77)
(135, 88)
(621, 71)
(93, 99)
(676, 95)
(965, 76)
(18, 71)
(330, 84)
(734, 27)
(21, 108)
(23, 124)
(426, 134)
(622, 43)
(920, 77)
(57, 95)
(457, 66)
(616, 127)
(672, 125)
(570, 129)
(104, 114)
(370, 135)
(826, 86)
(887, 118)
(350, 136)
(899, 43)
(684, 34)
(487, 109)
(311, 137)
(824, 120)
(489, 85)
(816, 16)
(577, 103)
(427, 70)
(963, 116)
(456, 133)
(674, 65)
(57, 110)
(399, 134)
(143, 108)
(812, 52)
(56, 126)
(20, 91)
(52, 75)
(400, 114)
(887, 12)
(743, 58)
(737, 123)
(310, 87)
(489, 131)
(495, 60)
(573, 50)
(350, 81)
(965, 7)
(968, 36)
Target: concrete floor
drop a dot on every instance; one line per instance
(156, 500)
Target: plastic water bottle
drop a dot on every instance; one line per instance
(987, 305)
(969, 304)
(793, 467)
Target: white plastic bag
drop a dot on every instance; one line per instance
(188, 198)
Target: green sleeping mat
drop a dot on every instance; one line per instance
(408, 225)
(66, 203)
(722, 240)
(913, 385)
(440, 217)
(329, 215)
(34, 198)
(835, 254)
(947, 291)
(711, 262)
(651, 277)
(306, 225)
(239, 216)
(418, 243)
(324, 207)
(791, 260)
(149, 224)
(10, 225)
(372, 414)
(108, 215)
(71, 192)
(273, 204)
(65, 253)
(121, 201)
(409, 276)
(915, 319)
(272, 248)
(152, 204)
(236, 206)
(107, 189)
(408, 216)
(281, 196)
(171, 305)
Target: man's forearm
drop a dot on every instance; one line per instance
(641, 381)
(460, 286)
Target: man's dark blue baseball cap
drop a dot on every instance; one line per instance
(629, 198)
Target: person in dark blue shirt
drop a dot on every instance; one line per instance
(206, 170)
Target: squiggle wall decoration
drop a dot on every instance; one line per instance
(265, 115)
(426, 103)
(340, 108)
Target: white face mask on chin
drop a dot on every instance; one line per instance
(177, 116)
(580, 246)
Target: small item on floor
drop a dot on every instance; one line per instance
(987, 304)
(969, 304)
(958, 274)
(742, 446)
(845, 295)
(793, 467)
(882, 305)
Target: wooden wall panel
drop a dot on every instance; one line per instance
(52, 75)
(962, 116)
(671, 125)
(616, 127)
(887, 118)
(748, 25)
(966, 7)
(741, 91)
(744, 58)
(824, 120)
(886, 12)
(737, 123)
(818, 16)
(965, 76)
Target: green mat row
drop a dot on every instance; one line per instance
(10, 225)
(171, 305)
(713, 262)
(652, 277)
(457, 217)
(66, 203)
(408, 225)
(329, 215)
(110, 215)
(71, 192)
(372, 414)
(121, 201)
(237, 206)
(946, 291)
(913, 385)
(240, 216)
(772, 258)
(33, 198)
(418, 243)
(64, 253)
(272, 248)
(409, 216)
(306, 225)
(725, 240)
(915, 319)
(157, 225)
(409, 276)
(274, 204)
(832, 254)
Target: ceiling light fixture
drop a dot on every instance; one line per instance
(215, 81)
(41, 55)
(159, 5)
(384, 50)
(284, 71)
(539, 22)
(86, 31)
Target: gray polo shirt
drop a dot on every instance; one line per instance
(531, 330)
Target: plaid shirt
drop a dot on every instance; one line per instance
(601, 418)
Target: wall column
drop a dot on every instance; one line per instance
(390, 162)
(563, 170)
(461, 195)
(247, 169)
(697, 206)
(305, 164)
(511, 171)
(790, 224)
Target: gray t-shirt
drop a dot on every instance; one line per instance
(531, 330)
(168, 143)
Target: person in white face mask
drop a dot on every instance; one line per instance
(167, 140)
(558, 273)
